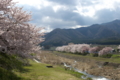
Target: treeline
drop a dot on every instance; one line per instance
(87, 41)
(84, 49)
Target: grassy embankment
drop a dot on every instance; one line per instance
(107, 67)
(39, 71)
(13, 69)
(114, 59)
(8, 65)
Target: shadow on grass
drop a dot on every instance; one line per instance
(9, 64)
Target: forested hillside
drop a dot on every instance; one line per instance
(106, 33)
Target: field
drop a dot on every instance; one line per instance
(114, 59)
(107, 67)
(98, 66)
(39, 71)
(13, 69)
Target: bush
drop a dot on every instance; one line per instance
(84, 54)
(106, 55)
(94, 54)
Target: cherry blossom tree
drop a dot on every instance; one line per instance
(105, 51)
(17, 35)
(74, 48)
(84, 49)
(118, 48)
(94, 49)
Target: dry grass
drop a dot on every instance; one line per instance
(55, 59)
(50, 58)
(83, 63)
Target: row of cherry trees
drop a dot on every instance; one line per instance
(85, 49)
(17, 35)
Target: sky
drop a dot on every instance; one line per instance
(52, 14)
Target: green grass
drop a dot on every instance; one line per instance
(12, 68)
(9, 64)
(115, 58)
(8, 75)
(39, 71)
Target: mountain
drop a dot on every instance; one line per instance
(105, 33)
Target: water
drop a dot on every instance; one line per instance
(88, 75)
(36, 61)
(83, 72)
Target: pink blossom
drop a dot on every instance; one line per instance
(17, 35)
(94, 49)
(106, 50)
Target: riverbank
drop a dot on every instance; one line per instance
(107, 67)
(16, 68)
(40, 71)
(94, 66)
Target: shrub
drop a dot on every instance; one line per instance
(94, 54)
(106, 56)
(85, 53)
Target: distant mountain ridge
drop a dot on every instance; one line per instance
(96, 33)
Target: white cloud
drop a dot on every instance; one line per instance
(35, 3)
(77, 26)
(46, 19)
(29, 2)
(58, 7)
(85, 11)
(47, 29)
(57, 22)
(59, 15)
(91, 10)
